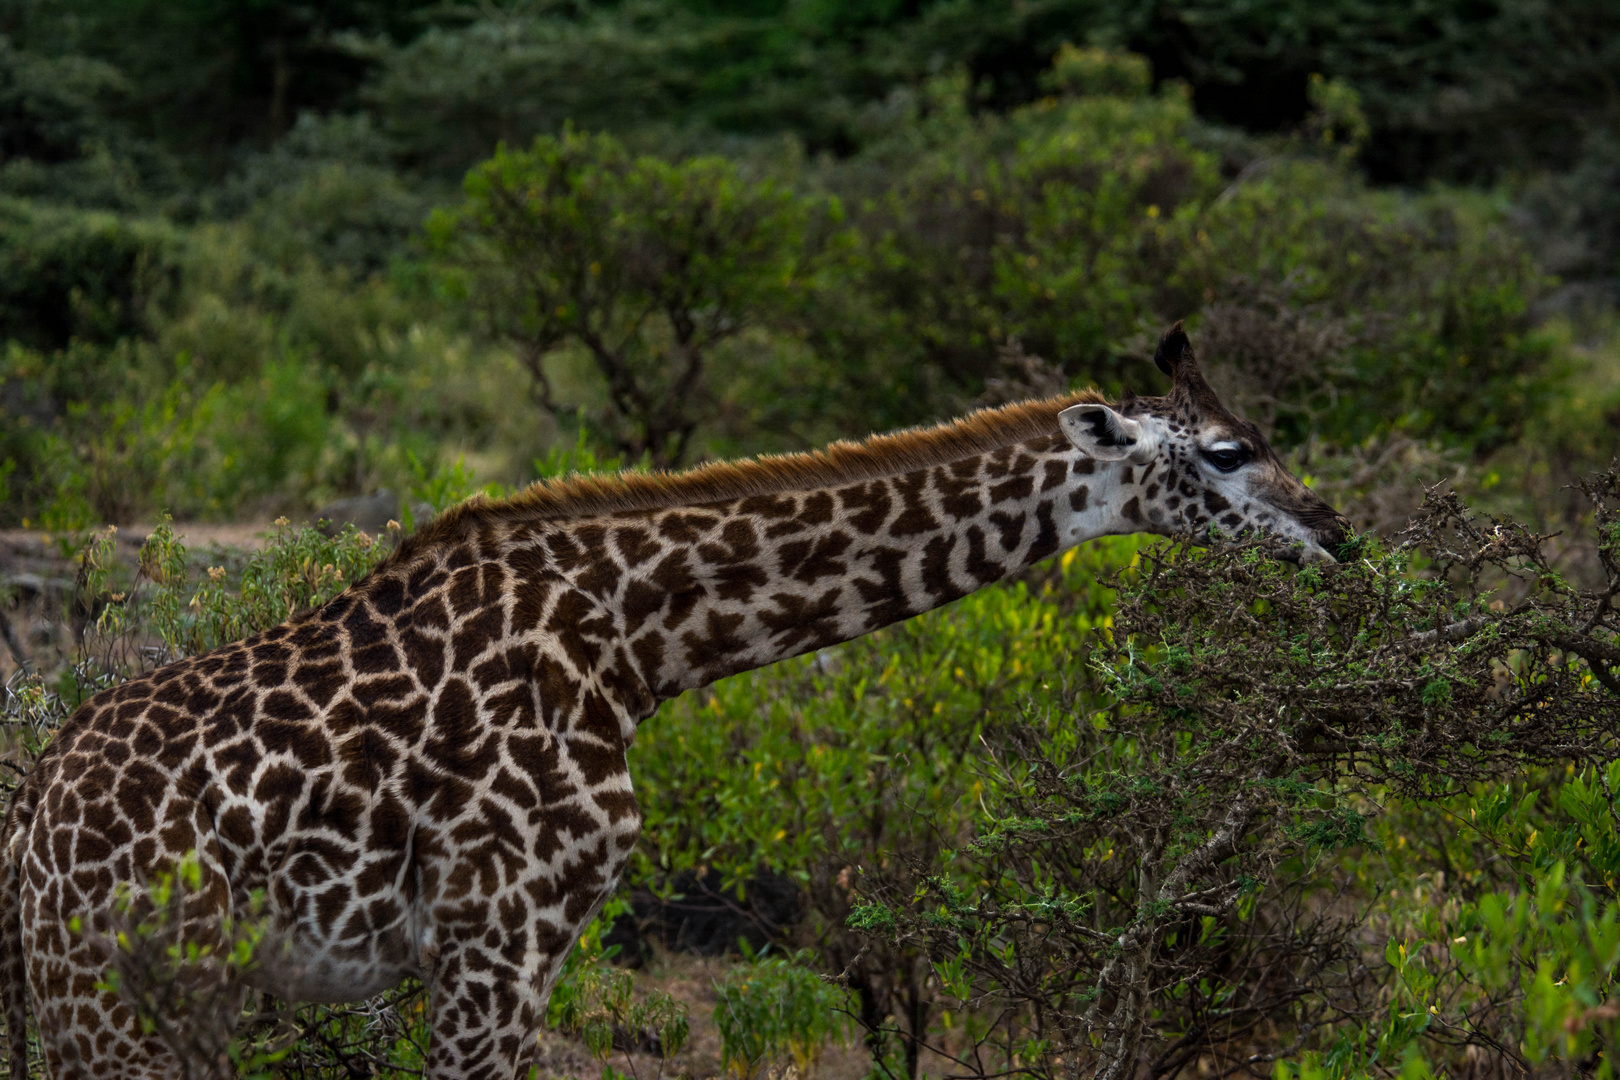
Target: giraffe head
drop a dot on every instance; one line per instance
(1196, 468)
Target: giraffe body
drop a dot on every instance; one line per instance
(427, 775)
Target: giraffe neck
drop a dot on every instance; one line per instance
(708, 591)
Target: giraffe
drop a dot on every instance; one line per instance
(426, 776)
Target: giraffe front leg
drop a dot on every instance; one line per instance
(486, 1011)
(484, 1021)
(502, 913)
(489, 966)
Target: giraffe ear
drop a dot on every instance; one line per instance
(1101, 433)
(1174, 352)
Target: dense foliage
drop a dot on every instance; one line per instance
(1140, 887)
(1455, 89)
(1146, 810)
(650, 268)
(709, 306)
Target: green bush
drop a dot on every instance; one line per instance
(860, 757)
(66, 137)
(265, 382)
(1077, 226)
(53, 106)
(456, 91)
(772, 1011)
(329, 193)
(103, 435)
(91, 276)
(169, 441)
(649, 268)
(1499, 909)
(1082, 225)
(298, 569)
(1152, 879)
(1052, 226)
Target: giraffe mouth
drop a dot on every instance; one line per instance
(1331, 546)
(1300, 552)
(1335, 541)
(1313, 552)
(1329, 540)
(1328, 531)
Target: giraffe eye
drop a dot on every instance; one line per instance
(1226, 458)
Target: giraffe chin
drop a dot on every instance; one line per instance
(1312, 552)
(1300, 551)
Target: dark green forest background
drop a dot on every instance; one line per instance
(1142, 812)
(1387, 221)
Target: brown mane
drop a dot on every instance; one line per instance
(839, 463)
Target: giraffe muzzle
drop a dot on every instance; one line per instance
(1331, 531)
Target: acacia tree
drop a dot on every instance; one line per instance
(1136, 900)
(646, 264)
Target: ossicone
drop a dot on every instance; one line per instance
(1174, 352)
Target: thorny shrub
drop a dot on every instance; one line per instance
(166, 967)
(1141, 895)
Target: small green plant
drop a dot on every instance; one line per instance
(603, 1011)
(597, 1003)
(774, 1011)
(582, 458)
(299, 568)
(30, 712)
